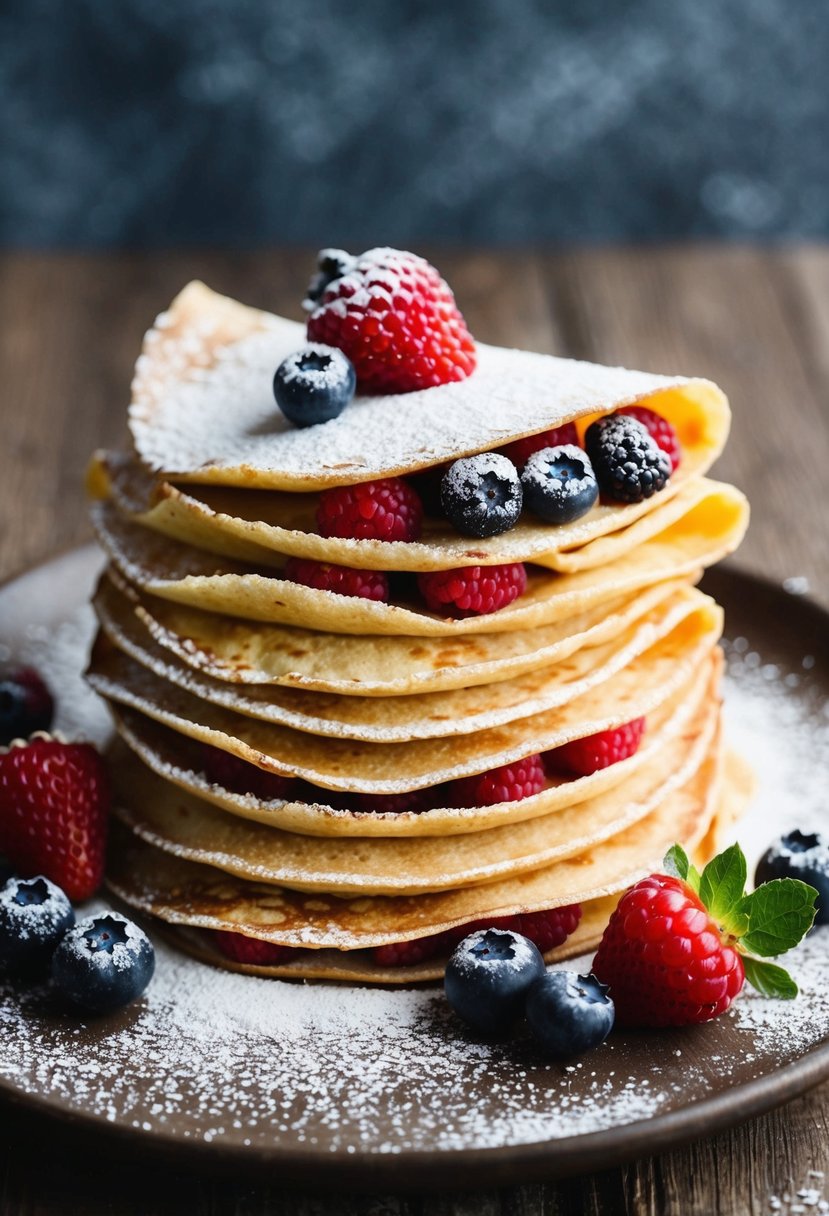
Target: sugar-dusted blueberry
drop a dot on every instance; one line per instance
(314, 385)
(26, 703)
(488, 976)
(34, 915)
(559, 484)
(104, 962)
(481, 495)
(803, 855)
(569, 1013)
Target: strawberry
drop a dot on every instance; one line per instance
(680, 945)
(54, 806)
(394, 317)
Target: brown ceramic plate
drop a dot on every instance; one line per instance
(362, 1087)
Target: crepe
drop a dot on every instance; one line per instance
(187, 827)
(265, 526)
(376, 767)
(203, 410)
(184, 892)
(178, 572)
(425, 715)
(255, 653)
(180, 761)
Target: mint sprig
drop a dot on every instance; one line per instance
(768, 922)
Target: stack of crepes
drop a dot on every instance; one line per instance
(373, 713)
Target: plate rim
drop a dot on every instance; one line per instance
(469, 1168)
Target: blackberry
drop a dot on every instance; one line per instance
(628, 463)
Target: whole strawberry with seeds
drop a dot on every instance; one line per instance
(342, 580)
(508, 783)
(581, 757)
(386, 509)
(472, 590)
(250, 950)
(680, 945)
(520, 450)
(660, 430)
(394, 317)
(54, 808)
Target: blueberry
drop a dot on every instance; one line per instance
(803, 855)
(314, 385)
(481, 495)
(25, 703)
(487, 978)
(559, 484)
(34, 915)
(105, 962)
(569, 1013)
(333, 264)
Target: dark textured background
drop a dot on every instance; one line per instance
(161, 122)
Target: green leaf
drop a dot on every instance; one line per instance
(722, 887)
(769, 979)
(780, 914)
(676, 864)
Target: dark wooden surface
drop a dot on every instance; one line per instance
(755, 321)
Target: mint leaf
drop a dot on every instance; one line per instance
(780, 913)
(769, 979)
(676, 864)
(722, 886)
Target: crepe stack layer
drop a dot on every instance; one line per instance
(373, 714)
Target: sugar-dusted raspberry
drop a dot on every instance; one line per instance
(660, 430)
(387, 509)
(233, 773)
(520, 450)
(342, 580)
(472, 590)
(251, 950)
(394, 317)
(509, 783)
(584, 756)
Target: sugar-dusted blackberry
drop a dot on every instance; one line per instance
(628, 463)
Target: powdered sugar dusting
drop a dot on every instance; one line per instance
(211, 1056)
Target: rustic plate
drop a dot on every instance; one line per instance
(371, 1088)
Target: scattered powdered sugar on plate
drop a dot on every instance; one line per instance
(334, 1071)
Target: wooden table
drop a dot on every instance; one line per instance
(755, 321)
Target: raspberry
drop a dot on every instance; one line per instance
(472, 590)
(394, 317)
(546, 929)
(509, 783)
(412, 802)
(665, 959)
(343, 580)
(250, 949)
(660, 431)
(628, 464)
(233, 773)
(387, 509)
(54, 807)
(407, 954)
(585, 756)
(520, 450)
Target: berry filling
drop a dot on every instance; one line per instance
(546, 930)
(387, 509)
(581, 757)
(472, 590)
